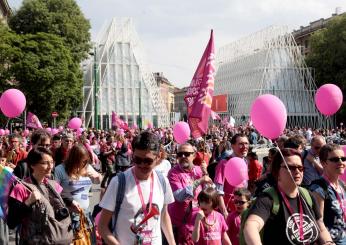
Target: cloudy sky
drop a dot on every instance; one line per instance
(175, 33)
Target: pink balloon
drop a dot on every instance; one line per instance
(80, 130)
(49, 130)
(236, 171)
(26, 132)
(7, 132)
(269, 115)
(2, 132)
(61, 128)
(12, 103)
(134, 126)
(150, 125)
(328, 99)
(54, 131)
(75, 123)
(181, 132)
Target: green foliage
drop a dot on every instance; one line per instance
(48, 76)
(43, 69)
(61, 17)
(328, 56)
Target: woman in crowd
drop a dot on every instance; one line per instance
(202, 156)
(37, 197)
(329, 192)
(76, 176)
(297, 221)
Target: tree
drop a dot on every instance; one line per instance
(61, 17)
(43, 69)
(328, 56)
(47, 75)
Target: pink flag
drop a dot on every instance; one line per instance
(114, 119)
(214, 115)
(199, 95)
(117, 121)
(32, 121)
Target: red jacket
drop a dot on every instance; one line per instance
(255, 170)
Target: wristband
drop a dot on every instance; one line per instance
(195, 184)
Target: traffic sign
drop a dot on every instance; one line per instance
(55, 114)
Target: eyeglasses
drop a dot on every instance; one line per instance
(14, 141)
(138, 160)
(185, 154)
(239, 202)
(293, 168)
(337, 159)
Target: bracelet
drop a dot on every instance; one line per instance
(195, 184)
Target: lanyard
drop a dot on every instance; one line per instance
(341, 199)
(288, 205)
(139, 189)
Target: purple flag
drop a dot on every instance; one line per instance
(32, 121)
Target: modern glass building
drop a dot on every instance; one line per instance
(117, 78)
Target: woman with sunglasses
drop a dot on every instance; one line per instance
(76, 176)
(329, 191)
(297, 220)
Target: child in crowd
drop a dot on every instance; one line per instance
(210, 226)
(241, 201)
(255, 170)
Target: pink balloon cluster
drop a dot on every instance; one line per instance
(12, 103)
(269, 115)
(181, 132)
(328, 99)
(2, 132)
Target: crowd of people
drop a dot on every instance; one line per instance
(156, 191)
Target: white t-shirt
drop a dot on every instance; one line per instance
(131, 208)
(164, 167)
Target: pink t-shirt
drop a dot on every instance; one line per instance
(233, 221)
(21, 193)
(179, 179)
(212, 235)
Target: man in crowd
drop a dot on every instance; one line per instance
(186, 181)
(143, 192)
(15, 152)
(240, 147)
(39, 137)
(312, 166)
(66, 145)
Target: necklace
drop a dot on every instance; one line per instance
(209, 225)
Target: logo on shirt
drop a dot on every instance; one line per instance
(309, 229)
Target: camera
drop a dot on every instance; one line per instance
(61, 214)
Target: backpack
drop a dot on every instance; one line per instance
(121, 194)
(271, 191)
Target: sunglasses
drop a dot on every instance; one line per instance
(185, 154)
(293, 168)
(239, 202)
(337, 159)
(138, 160)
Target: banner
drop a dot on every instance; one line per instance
(32, 121)
(199, 95)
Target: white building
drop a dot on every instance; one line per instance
(267, 62)
(117, 78)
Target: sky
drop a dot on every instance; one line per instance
(175, 33)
